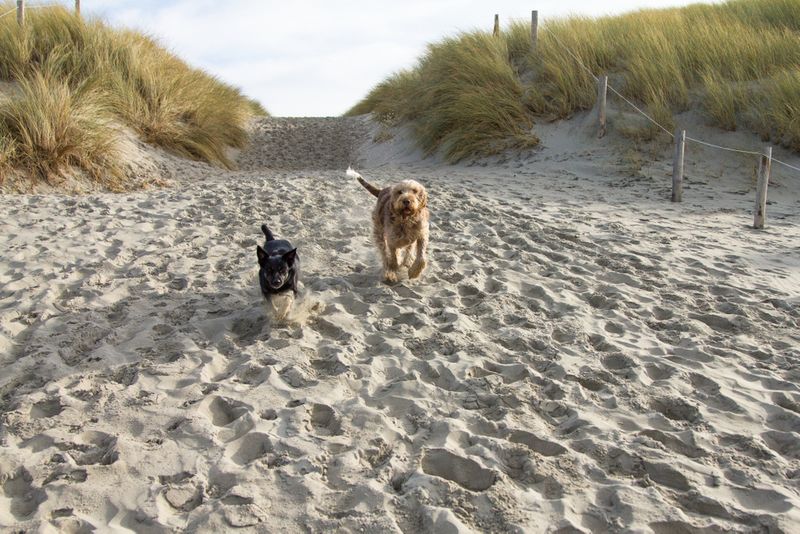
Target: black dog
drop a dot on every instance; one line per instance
(279, 267)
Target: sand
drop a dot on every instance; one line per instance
(582, 355)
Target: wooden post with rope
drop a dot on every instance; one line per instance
(764, 169)
(21, 12)
(602, 93)
(677, 166)
(534, 29)
(496, 31)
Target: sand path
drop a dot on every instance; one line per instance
(582, 356)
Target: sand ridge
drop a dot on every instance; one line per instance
(580, 356)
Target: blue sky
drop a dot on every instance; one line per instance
(315, 57)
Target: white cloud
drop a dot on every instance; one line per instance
(311, 57)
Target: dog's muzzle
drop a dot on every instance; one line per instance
(276, 283)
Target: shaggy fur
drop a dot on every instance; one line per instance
(400, 223)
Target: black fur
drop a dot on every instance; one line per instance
(279, 265)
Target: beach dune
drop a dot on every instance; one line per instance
(581, 355)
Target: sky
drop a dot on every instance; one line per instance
(316, 57)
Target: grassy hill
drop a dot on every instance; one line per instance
(475, 94)
(74, 85)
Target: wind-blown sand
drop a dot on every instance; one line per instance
(581, 356)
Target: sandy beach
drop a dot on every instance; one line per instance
(582, 355)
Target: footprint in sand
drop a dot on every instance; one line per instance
(659, 371)
(246, 329)
(667, 475)
(536, 444)
(233, 418)
(620, 365)
(511, 373)
(296, 377)
(182, 491)
(323, 420)
(766, 500)
(251, 447)
(224, 411)
(787, 401)
(463, 471)
(784, 443)
(95, 448)
(252, 374)
(438, 375)
(64, 520)
(47, 408)
(614, 328)
(330, 365)
(676, 409)
(25, 498)
(682, 443)
(591, 379)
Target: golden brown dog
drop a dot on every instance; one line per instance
(400, 225)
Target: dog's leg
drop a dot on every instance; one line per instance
(398, 257)
(270, 307)
(421, 260)
(386, 252)
(281, 304)
(408, 256)
(390, 264)
(295, 275)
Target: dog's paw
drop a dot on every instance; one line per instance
(417, 269)
(281, 306)
(390, 277)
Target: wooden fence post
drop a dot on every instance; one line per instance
(764, 168)
(534, 29)
(496, 30)
(78, 7)
(21, 12)
(677, 166)
(602, 92)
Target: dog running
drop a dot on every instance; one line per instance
(278, 273)
(400, 225)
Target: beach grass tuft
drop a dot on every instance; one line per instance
(71, 85)
(735, 61)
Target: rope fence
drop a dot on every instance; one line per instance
(648, 117)
(765, 157)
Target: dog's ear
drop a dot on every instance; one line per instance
(290, 256)
(423, 198)
(262, 255)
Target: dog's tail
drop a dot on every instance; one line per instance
(267, 233)
(368, 186)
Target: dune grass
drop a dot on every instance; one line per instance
(48, 126)
(736, 61)
(463, 98)
(74, 82)
(778, 115)
(670, 60)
